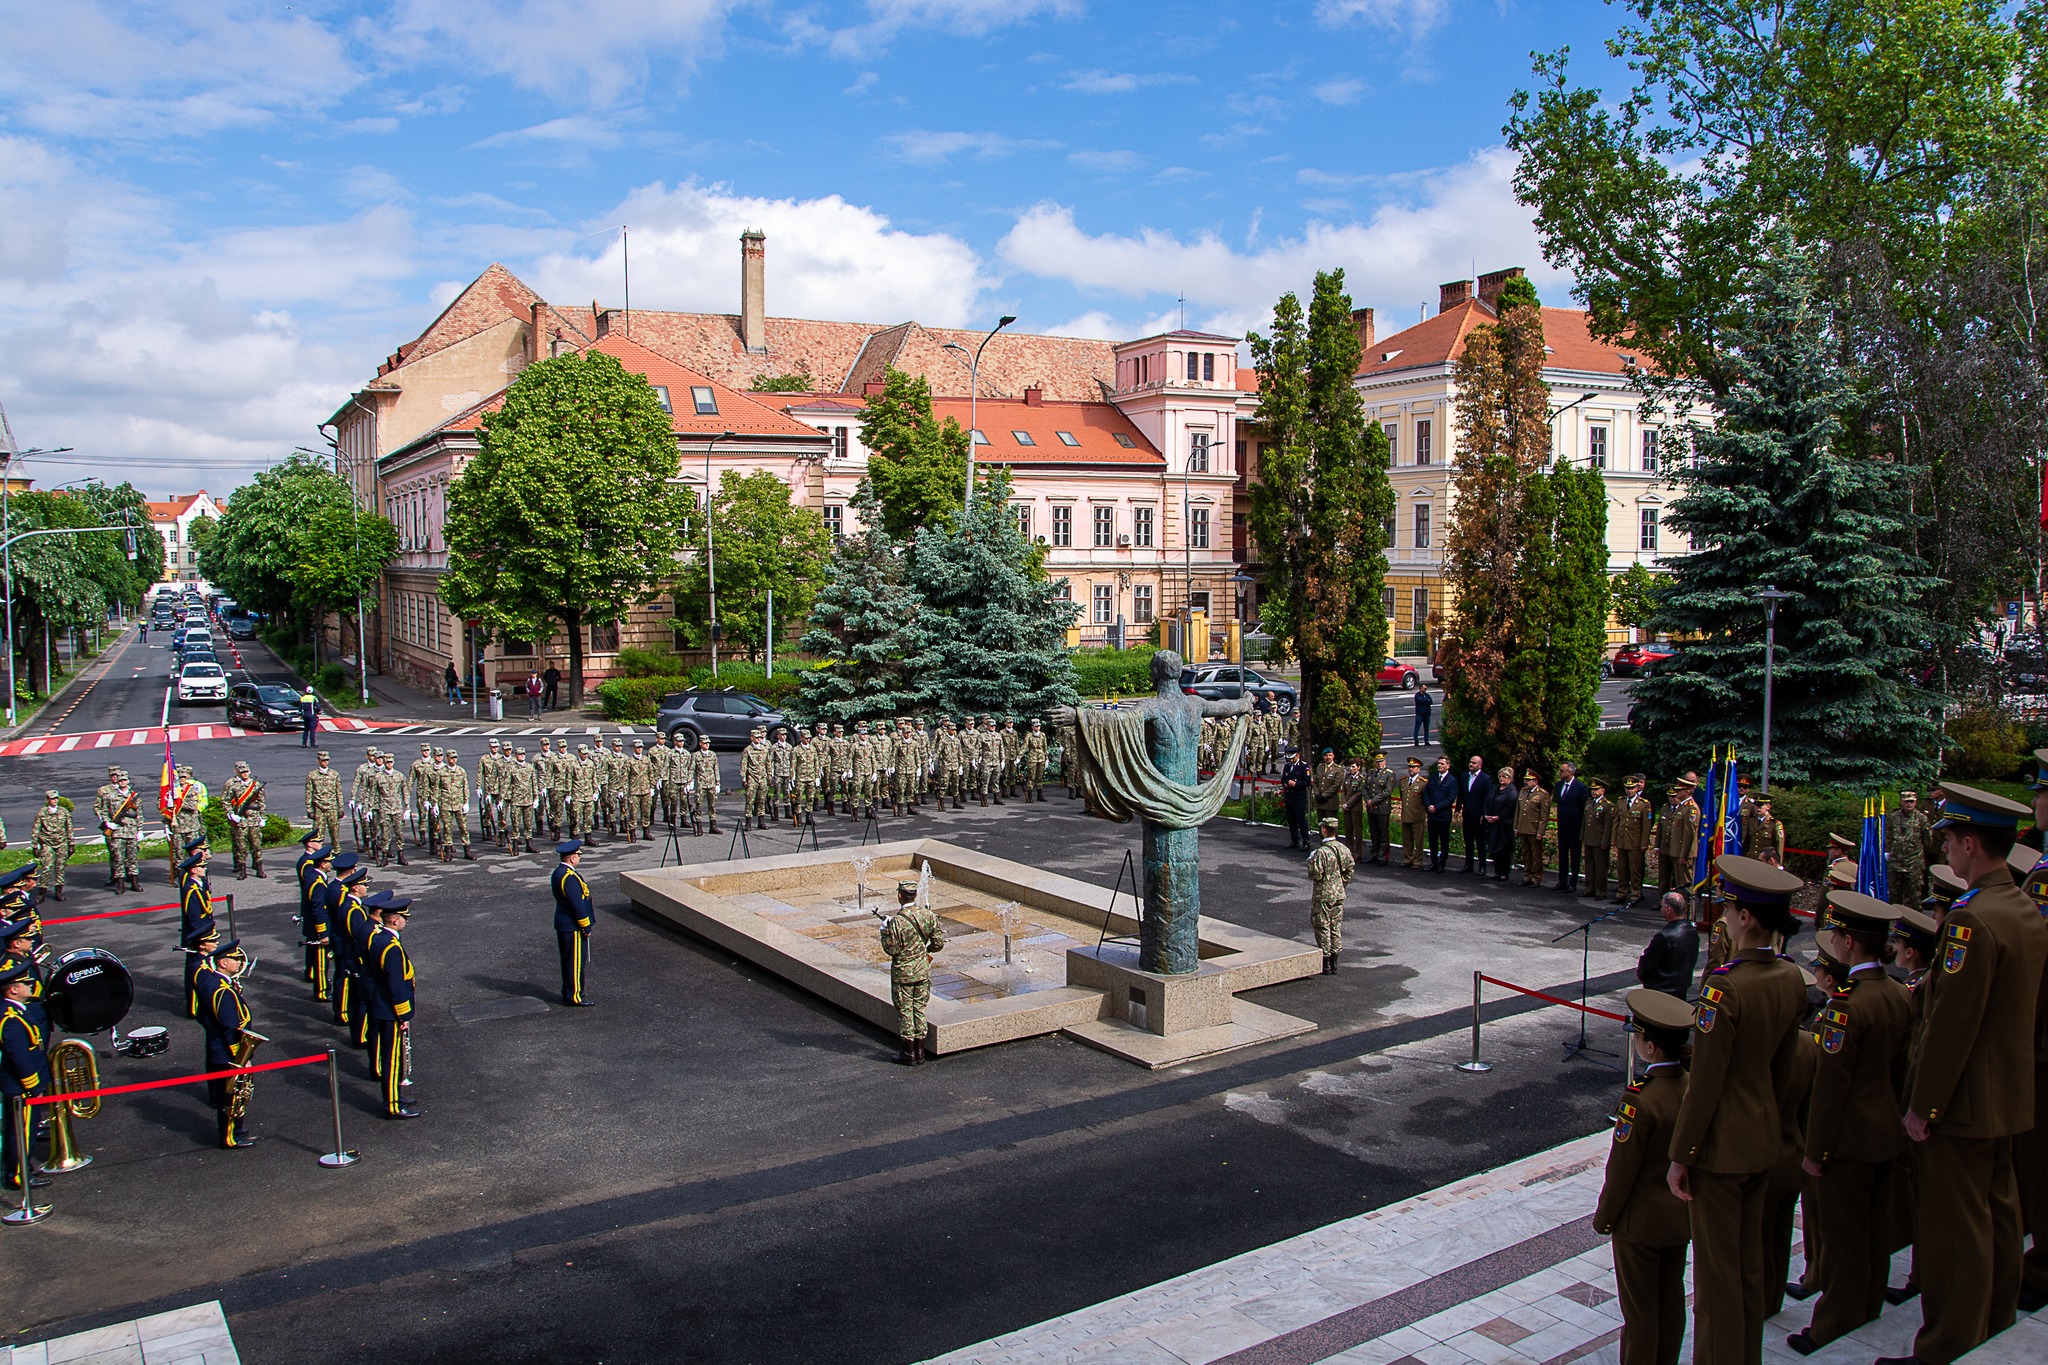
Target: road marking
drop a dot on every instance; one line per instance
(68, 745)
(529, 730)
(466, 730)
(163, 722)
(104, 740)
(139, 737)
(35, 746)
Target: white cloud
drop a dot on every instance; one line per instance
(864, 82)
(1416, 18)
(562, 47)
(887, 18)
(1442, 222)
(826, 259)
(1343, 91)
(1121, 82)
(928, 148)
(575, 132)
(1105, 163)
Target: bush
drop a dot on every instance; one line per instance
(635, 662)
(333, 677)
(1985, 743)
(744, 677)
(214, 818)
(633, 701)
(1099, 672)
(1611, 755)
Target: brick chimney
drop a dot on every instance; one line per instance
(1491, 283)
(601, 318)
(754, 290)
(1449, 296)
(1034, 396)
(873, 388)
(1361, 320)
(537, 343)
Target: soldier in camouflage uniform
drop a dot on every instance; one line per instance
(910, 937)
(909, 766)
(452, 795)
(1070, 771)
(582, 790)
(882, 745)
(553, 769)
(781, 753)
(388, 795)
(952, 761)
(419, 784)
(118, 809)
(621, 789)
(1329, 872)
(640, 791)
(243, 797)
(323, 801)
(51, 842)
(927, 759)
(704, 784)
(1911, 838)
(754, 780)
(828, 776)
(860, 759)
(521, 789)
(992, 761)
(188, 799)
(1013, 749)
(804, 767)
(486, 787)
(1032, 756)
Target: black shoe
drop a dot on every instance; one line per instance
(1899, 1360)
(402, 1112)
(249, 1141)
(1909, 1291)
(1802, 1341)
(2031, 1300)
(1795, 1290)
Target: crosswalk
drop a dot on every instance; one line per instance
(158, 734)
(508, 728)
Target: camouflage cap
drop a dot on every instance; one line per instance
(323, 755)
(241, 765)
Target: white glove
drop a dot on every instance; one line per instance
(234, 819)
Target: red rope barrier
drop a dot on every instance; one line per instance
(1555, 1000)
(179, 1080)
(114, 914)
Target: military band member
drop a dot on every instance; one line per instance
(1973, 1085)
(24, 1074)
(314, 878)
(118, 808)
(1631, 838)
(1532, 824)
(224, 1018)
(323, 800)
(1329, 871)
(243, 797)
(195, 915)
(387, 968)
(345, 992)
(575, 915)
(1637, 1208)
(1728, 1130)
(910, 937)
(51, 841)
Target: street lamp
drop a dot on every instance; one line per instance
(711, 548)
(974, 398)
(1770, 597)
(355, 519)
(7, 459)
(1556, 413)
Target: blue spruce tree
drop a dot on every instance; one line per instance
(869, 627)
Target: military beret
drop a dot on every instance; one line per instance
(1965, 806)
(1656, 1009)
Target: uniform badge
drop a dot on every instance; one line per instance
(1834, 1030)
(1625, 1122)
(1957, 948)
(1708, 1013)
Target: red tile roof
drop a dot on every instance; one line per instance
(174, 508)
(1094, 426)
(1437, 340)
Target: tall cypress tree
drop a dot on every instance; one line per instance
(1778, 493)
(1319, 512)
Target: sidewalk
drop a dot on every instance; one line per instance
(188, 1336)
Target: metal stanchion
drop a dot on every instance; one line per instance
(29, 1212)
(1475, 1064)
(340, 1156)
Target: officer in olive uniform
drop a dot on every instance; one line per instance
(1532, 824)
(1596, 838)
(2030, 1150)
(1414, 815)
(1910, 842)
(1631, 837)
(1376, 794)
(1329, 872)
(1637, 1208)
(1678, 839)
(910, 937)
(1851, 1138)
(1973, 1086)
(575, 914)
(1326, 784)
(118, 808)
(1728, 1130)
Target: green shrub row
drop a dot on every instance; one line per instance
(1101, 672)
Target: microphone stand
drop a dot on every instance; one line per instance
(1580, 1048)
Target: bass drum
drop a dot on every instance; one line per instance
(88, 991)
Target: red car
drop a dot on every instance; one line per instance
(1394, 673)
(1639, 660)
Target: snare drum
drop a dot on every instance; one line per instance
(150, 1041)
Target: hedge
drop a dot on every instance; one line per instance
(1100, 672)
(633, 701)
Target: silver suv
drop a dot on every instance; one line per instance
(728, 717)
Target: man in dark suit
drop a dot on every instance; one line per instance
(1295, 782)
(1475, 788)
(1441, 797)
(1572, 796)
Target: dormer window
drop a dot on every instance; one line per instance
(1125, 441)
(979, 438)
(704, 400)
(1067, 438)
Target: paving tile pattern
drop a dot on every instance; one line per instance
(187, 1336)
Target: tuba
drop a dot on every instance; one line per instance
(241, 1052)
(76, 1070)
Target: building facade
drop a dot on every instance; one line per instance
(174, 519)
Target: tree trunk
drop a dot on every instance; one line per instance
(574, 621)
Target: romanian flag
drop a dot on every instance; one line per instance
(167, 785)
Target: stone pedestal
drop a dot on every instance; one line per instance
(1152, 1001)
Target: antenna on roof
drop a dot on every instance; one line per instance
(1182, 300)
(626, 263)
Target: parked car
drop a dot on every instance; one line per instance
(1394, 673)
(1215, 682)
(1638, 660)
(264, 706)
(726, 717)
(201, 681)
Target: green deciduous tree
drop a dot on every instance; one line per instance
(568, 512)
(252, 554)
(1634, 594)
(126, 581)
(917, 464)
(1779, 494)
(765, 544)
(340, 557)
(1318, 511)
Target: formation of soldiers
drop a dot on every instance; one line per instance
(893, 766)
(1895, 1085)
(1268, 737)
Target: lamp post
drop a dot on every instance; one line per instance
(974, 398)
(355, 521)
(1556, 413)
(7, 539)
(1770, 597)
(711, 548)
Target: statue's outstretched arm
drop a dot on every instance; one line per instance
(1061, 715)
(1226, 706)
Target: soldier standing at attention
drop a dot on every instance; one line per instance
(1910, 840)
(243, 796)
(1414, 814)
(832, 759)
(1637, 1209)
(1631, 837)
(390, 798)
(953, 766)
(387, 966)
(804, 771)
(781, 755)
(51, 841)
(419, 781)
(454, 799)
(1329, 872)
(1769, 835)
(487, 787)
(910, 937)
(1973, 1089)
(640, 792)
(315, 882)
(1728, 1130)
(2030, 1150)
(224, 1016)
(359, 799)
(754, 780)
(575, 914)
(1678, 839)
(24, 1071)
(1034, 762)
(323, 800)
(1327, 785)
(520, 797)
(1376, 795)
(1597, 839)
(704, 782)
(118, 807)
(1851, 1141)
(187, 800)
(1532, 825)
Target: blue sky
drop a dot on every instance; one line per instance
(218, 217)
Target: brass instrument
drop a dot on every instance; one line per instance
(405, 1057)
(241, 1052)
(75, 1069)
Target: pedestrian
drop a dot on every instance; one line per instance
(551, 682)
(1295, 784)
(1500, 822)
(1475, 794)
(1440, 799)
(1637, 1208)
(1419, 736)
(1728, 1131)
(451, 683)
(575, 913)
(533, 690)
(1329, 872)
(309, 718)
(1571, 798)
(1674, 950)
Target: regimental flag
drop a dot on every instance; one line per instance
(1731, 810)
(1708, 797)
(167, 786)
(1873, 876)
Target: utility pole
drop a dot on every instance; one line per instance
(1770, 597)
